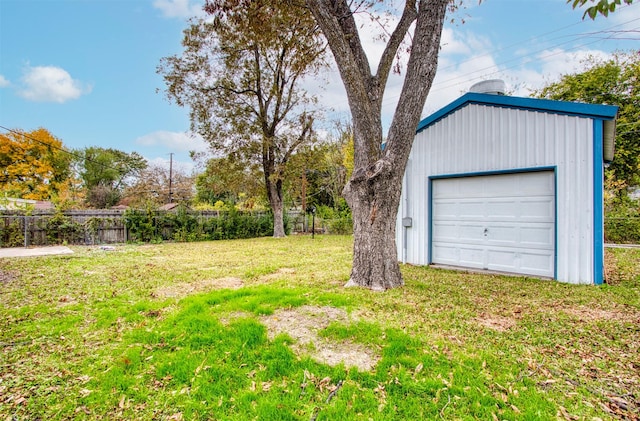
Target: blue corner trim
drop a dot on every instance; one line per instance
(555, 223)
(598, 203)
(603, 112)
(430, 220)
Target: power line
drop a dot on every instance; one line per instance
(387, 101)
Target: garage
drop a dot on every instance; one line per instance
(502, 222)
(508, 184)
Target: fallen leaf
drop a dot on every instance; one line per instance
(418, 368)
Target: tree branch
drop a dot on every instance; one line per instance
(409, 15)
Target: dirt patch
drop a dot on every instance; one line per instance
(183, 289)
(495, 322)
(303, 324)
(590, 314)
(7, 276)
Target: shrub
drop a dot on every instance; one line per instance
(11, 233)
(622, 222)
(61, 229)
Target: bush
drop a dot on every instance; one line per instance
(185, 226)
(11, 233)
(622, 223)
(61, 229)
(336, 220)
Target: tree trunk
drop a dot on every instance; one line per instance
(373, 198)
(278, 219)
(274, 193)
(373, 192)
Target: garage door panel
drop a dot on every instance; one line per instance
(446, 254)
(445, 209)
(526, 262)
(542, 236)
(471, 232)
(499, 222)
(445, 231)
(471, 257)
(538, 209)
(537, 264)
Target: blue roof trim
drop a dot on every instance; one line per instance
(597, 111)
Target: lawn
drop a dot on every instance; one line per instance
(263, 329)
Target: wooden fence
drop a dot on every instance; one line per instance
(72, 227)
(90, 227)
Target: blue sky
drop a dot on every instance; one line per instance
(85, 69)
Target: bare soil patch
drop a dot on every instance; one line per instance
(589, 314)
(185, 288)
(303, 324)
(495, 322)
(7, 276)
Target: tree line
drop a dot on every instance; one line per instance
(36, 165)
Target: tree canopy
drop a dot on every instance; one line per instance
(240, 75)
(602, 7)
(614, 81)
(105, 172)
(33, 165)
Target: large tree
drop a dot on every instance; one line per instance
(614, 81)
(373, 191)
(240, 75)
(106, 172)
(33, 165)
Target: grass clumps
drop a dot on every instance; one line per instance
(263, 329)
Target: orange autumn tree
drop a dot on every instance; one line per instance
(33, 165)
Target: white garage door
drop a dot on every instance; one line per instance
(496, 222)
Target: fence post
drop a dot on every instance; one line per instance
(26, 238)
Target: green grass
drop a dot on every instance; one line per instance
(92, 336)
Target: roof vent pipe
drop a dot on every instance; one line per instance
(492, 86)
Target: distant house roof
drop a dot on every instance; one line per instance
(168, 206)
(44, 205)
(11, 203)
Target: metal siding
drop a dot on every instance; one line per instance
(482, 138)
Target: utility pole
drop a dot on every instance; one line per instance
(170, 177)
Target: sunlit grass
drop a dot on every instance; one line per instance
(90, 336)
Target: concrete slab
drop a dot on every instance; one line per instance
(35, 251)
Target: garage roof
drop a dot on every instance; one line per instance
(596, 111)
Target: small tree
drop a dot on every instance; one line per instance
(239, 74)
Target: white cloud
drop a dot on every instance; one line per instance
(51, 84)
(178, 166)
(174, 141)
(179, 8)
(4, 82)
